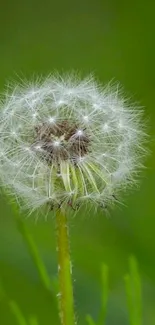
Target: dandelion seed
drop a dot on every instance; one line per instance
(79, 133)
(51, 119)
(86, 118)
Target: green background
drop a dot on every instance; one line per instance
(114, 40)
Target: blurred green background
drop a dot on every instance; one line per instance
(115, 40)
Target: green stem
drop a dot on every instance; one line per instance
(66, 300)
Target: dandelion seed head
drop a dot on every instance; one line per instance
(67, 141)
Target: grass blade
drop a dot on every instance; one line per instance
(90, 320)
(105, 291)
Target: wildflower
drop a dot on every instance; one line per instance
(66, 141)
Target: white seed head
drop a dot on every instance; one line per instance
(66, 141)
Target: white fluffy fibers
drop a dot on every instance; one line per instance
(67, 141)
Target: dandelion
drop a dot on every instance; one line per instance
(64, 140)
(65, 143)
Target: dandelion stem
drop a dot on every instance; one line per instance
(66, 300)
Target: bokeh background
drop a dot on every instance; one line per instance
(114, 40)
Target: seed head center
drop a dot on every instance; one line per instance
(61, 141)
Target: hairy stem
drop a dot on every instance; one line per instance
(66, 300)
